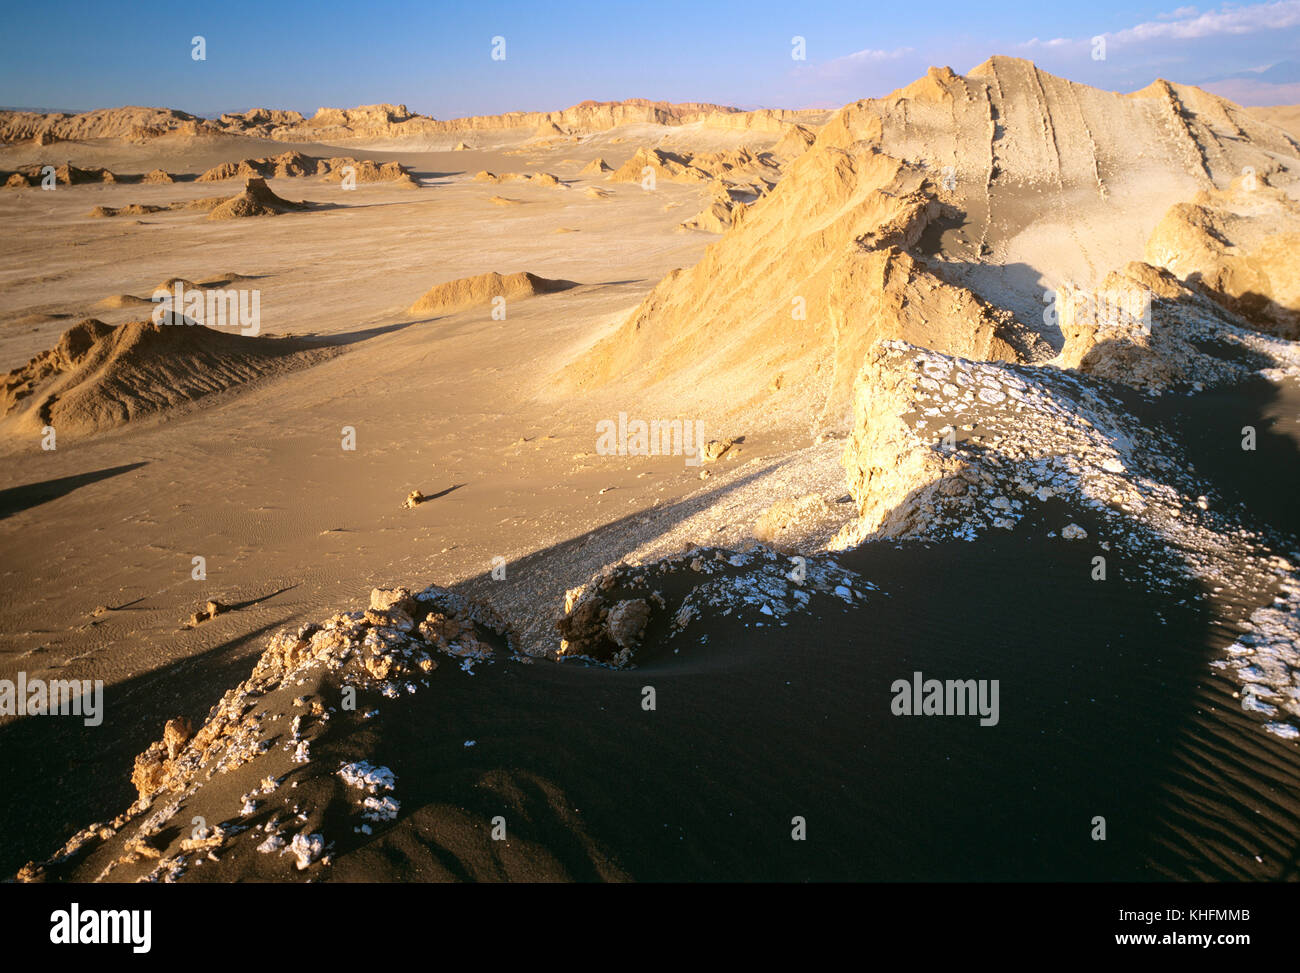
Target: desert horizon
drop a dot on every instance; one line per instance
(660, 491)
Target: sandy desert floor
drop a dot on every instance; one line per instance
(98, 537)
(290, 524)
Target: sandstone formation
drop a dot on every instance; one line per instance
(257, 199)
(1239, 247)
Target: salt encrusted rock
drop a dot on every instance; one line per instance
(306, 848)
(606, 620)
(385, 649)
(790, 522)
(1042, 432)
(176, 734)
(376, 641)
(453, 635)
(148, 772)
(382, 599)
(367, 777)
(1049, 435)
(1146, 329)
(392, 618)
(413, 499)
(627, 622)
(208, 840)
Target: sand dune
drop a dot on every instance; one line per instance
(803, 283)
(99, 377)
(456, 295)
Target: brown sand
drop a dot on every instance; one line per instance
(465, 409)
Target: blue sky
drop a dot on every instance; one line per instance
(436, 57)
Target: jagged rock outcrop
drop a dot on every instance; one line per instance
(794, 143)
(313, 689)
(536, 178)
(1237, 246)
(390, 123)
(257, 199)
(290, 164)
(1145, 329)
(903, 221)
(396, 121)
(668, 166)
(64, 175)
(130, 122)
(805, 280)
(624, 607)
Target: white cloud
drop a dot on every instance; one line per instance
(859, 57)
(1185, 45)
(1186, 23)
(1054, 42)
(858, 63)
(1229, 20)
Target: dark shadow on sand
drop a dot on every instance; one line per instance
(443, 493)
(17, 499)
(364, 334)
(1108, 708)
(236, 606)
(73, 775)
